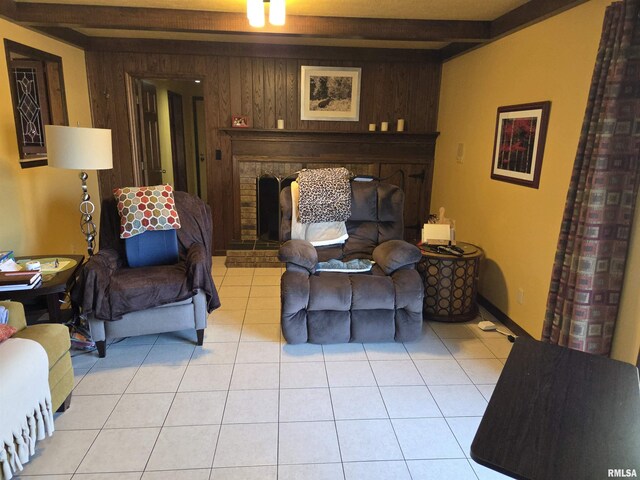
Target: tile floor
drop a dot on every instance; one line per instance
(248, 406)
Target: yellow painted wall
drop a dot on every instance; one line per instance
(39, 206)
(517, 226)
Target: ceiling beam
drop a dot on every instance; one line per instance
(533, 11)
(7, 8)
(529, 13)
(67, 35)
(455, 49)
(191, 47)
(159, 19)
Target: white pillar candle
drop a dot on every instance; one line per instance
(280, 124)
(384, 126)
(372, 127)
(401, 124)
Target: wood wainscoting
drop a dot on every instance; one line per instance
(261, 82)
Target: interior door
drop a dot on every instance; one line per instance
(178, 152)
(147, 101)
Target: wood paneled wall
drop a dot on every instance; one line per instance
(263, 87)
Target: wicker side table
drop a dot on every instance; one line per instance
(451, 284)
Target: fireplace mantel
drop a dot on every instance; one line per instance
(318, 145)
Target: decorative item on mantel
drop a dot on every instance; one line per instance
(372, 127)
(240, 121)
(280, 124)
(384, 126)
(401, 124)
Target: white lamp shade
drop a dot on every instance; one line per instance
(79, 148)
(255, 13)
(277, 12)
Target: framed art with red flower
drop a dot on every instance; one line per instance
(521, 131)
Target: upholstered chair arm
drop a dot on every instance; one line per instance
(395, 254)
(16, 314)
(107, 260)
(299, 253)
(92, 285)
(198, 264)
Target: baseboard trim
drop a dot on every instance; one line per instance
(501, 316)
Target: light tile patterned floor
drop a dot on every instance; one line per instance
(248, 406)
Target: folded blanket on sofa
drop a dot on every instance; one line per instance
(318, 234)
(325, 195)
(25, 403)
(356, 265)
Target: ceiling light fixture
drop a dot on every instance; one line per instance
(277, 12)
(255, 12)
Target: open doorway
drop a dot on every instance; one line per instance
(169, 133)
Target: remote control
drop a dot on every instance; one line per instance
(457, 249)
(450, 251)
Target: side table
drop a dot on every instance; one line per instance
(451, 284)
(52, 287)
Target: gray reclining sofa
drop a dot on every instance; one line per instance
(384, 304)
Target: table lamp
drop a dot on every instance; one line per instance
(82, 149)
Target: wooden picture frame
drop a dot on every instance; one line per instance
(330, 93)
(239, 121)
(521, 131)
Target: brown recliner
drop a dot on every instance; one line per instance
(384, 304)
(122, 301)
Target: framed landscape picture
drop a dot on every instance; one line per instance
(521, 131)
(330, 93)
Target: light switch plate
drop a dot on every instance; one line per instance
(460, 153)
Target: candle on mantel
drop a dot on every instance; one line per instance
(384, 126)
(401, 124)
(280, 124)
(372, 127)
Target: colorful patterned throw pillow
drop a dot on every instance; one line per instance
(146, 208)
(6, 331)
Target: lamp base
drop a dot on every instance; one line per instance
(87, 227)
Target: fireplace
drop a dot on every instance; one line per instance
(263, 159)
(253, 175)
(269, 178)
(268, 191)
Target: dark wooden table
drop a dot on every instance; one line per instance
(558, 414)
(53, 285)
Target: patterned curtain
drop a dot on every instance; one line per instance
(594, 237)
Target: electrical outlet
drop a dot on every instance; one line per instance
(520, 296)
(460, 153)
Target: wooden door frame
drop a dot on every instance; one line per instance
(174, 150)
(134, 129)
(194, 100)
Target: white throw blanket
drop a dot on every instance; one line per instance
(318, 234)
(25, 402)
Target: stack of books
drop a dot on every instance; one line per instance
(22, 280)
